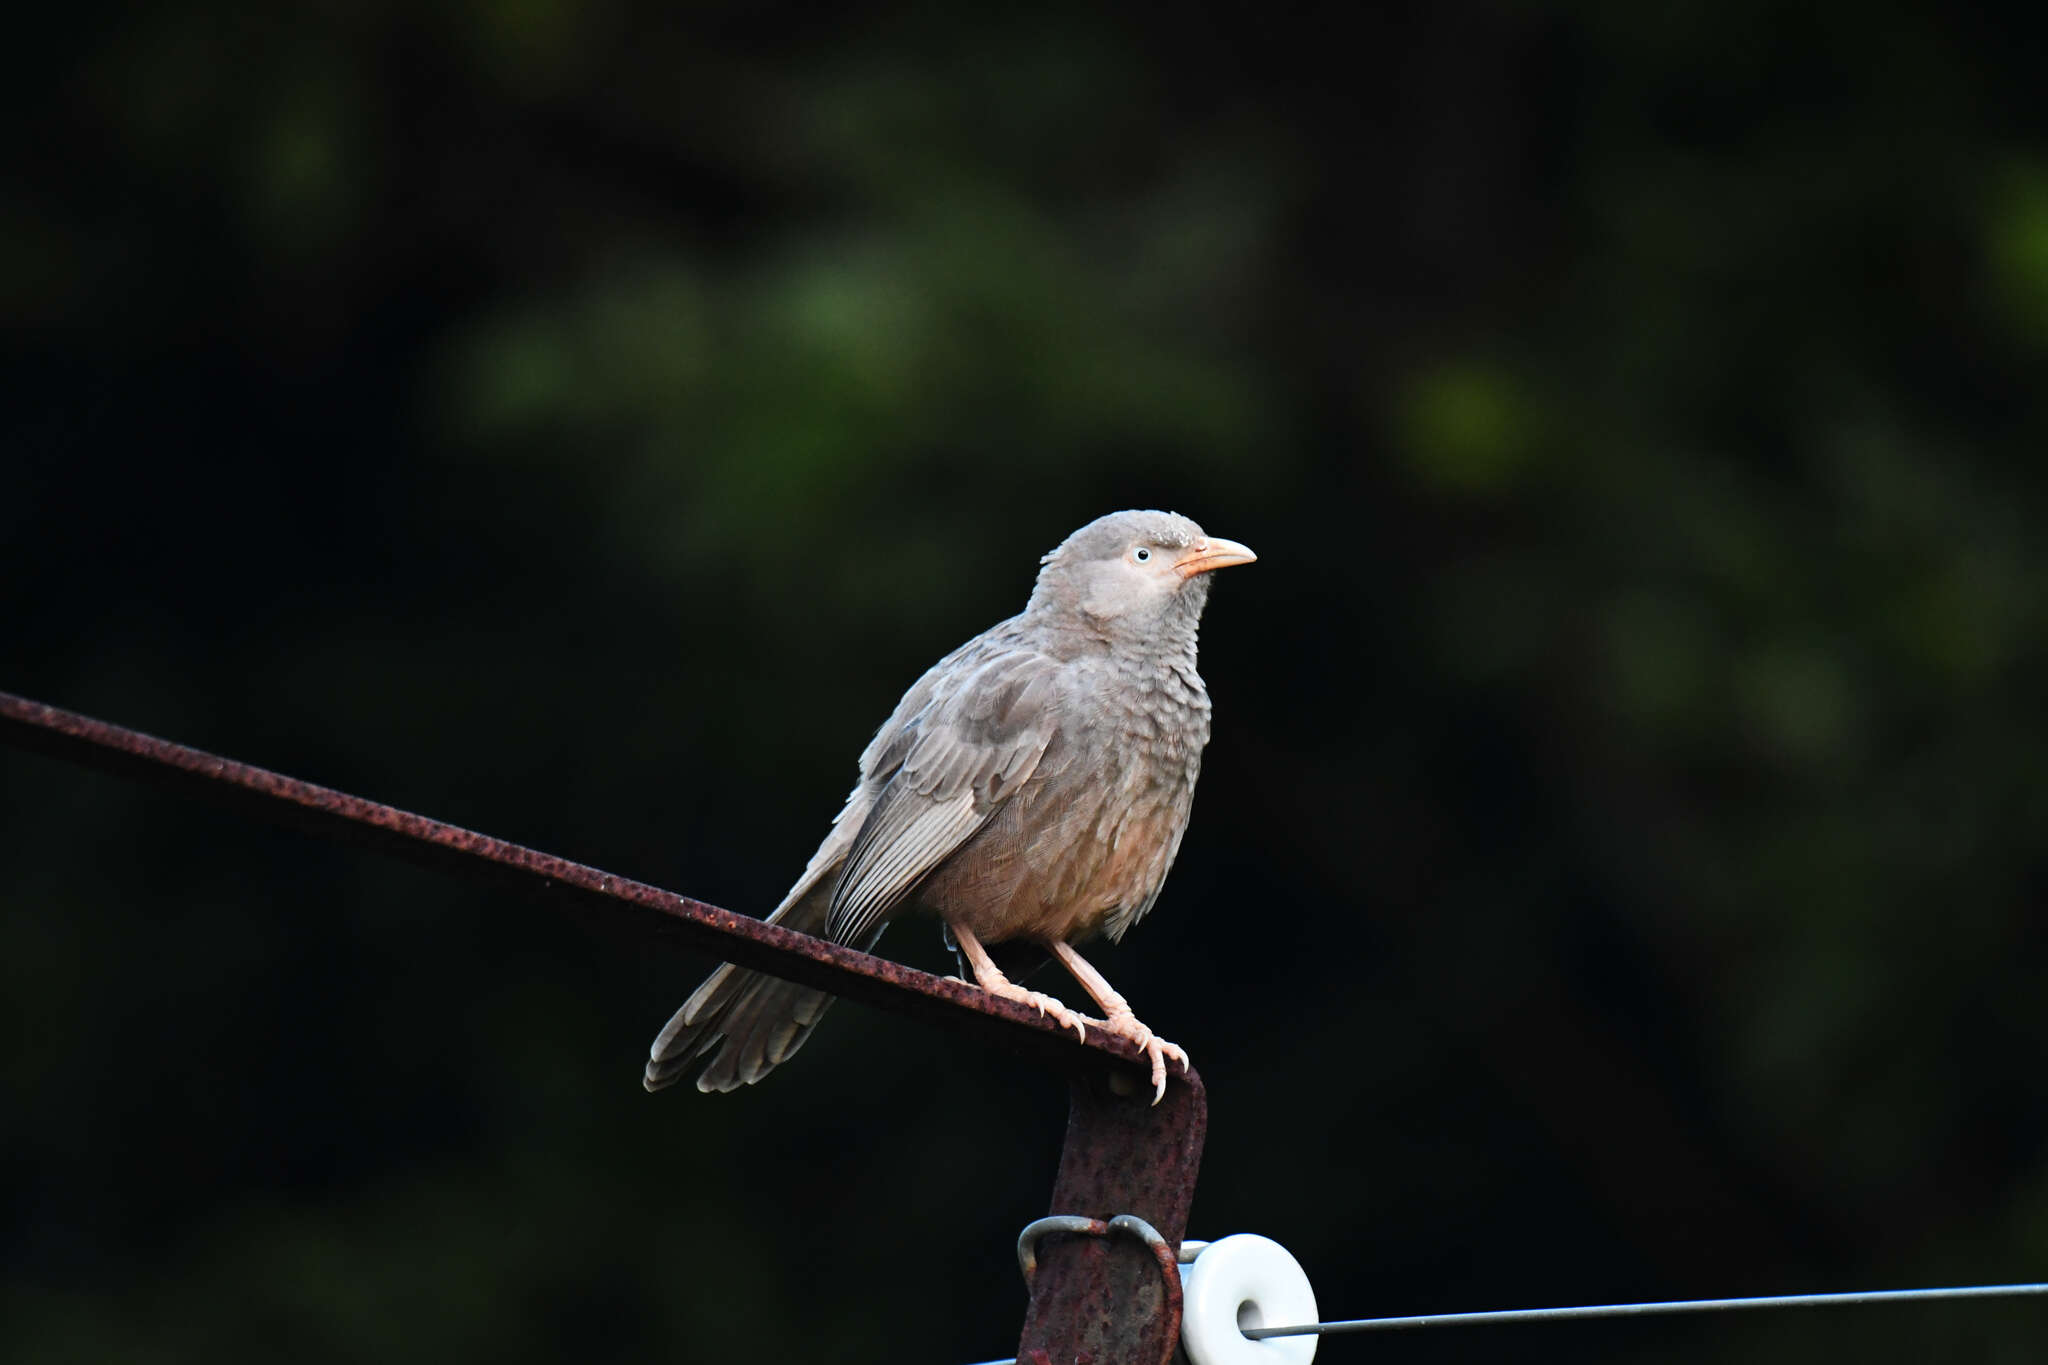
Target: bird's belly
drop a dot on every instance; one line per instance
(1066, 871)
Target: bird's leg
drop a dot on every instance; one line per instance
(995, 983)
(1117, 1016)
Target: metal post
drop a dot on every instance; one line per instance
(1104, 1300)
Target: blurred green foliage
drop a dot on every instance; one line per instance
(1618, 872)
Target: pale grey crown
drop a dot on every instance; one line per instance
(1107, 537)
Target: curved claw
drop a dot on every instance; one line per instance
(1159, 1050)
(1126, 1025)
(1045, 1005)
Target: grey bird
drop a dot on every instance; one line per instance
(1034, 785)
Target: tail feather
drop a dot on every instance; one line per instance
(740, 1025)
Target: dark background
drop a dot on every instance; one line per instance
(1617, 872)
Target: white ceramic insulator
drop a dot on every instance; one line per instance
(1245, 1281)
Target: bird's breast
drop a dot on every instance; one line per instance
(1084, 846)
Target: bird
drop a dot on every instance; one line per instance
(1033, 786)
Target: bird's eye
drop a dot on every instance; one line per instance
(1141, 554)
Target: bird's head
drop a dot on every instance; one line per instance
(1134, 572)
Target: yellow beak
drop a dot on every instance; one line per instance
(1213, 553)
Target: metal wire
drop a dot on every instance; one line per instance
(1632, 1310)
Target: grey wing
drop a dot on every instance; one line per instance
(943, 770)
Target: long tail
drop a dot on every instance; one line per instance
(739, 1025)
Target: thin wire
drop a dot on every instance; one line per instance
(1631, 1310)
(1634, 1310)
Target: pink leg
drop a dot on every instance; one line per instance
(1118, 1018)
(995, 983)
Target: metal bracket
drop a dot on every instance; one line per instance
(1027, 1242)
(1129, 1167)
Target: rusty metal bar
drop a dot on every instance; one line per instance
(1103, 1299)
(1093, 1299)
(582, 890)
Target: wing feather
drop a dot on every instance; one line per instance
(943, 769)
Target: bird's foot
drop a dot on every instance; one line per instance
(1044, 1004)
(1124, 1024)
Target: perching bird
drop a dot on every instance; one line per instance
(1034, 785)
